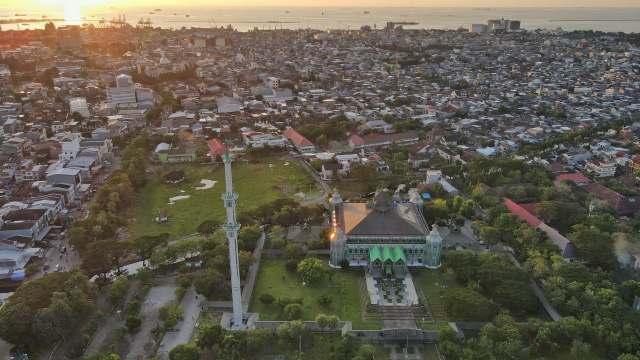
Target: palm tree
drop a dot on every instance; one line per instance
(333, 323)
(322, 321)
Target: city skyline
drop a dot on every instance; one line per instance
(332, 3)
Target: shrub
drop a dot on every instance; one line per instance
(293, 311)
(291, 265)
(132, 323)
(324, 299)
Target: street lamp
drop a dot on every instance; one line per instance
(120, 317)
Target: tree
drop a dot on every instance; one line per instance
(132, 323)
(436, 209)
(249, 236)
(331, 271)
(322, 321)
(458, 201)
(314, 244)
(145, 245)
(324, 299)
(467, 305)
(594, 247)
(311, 269)
(267, 299)
(245, 260)
(208, 227)
(43, 310)
(293, 311)
(231, 346)
(333, 323)
(321, 140)
(184, 352)
(293, 251)
(79, 237)
(210, 335)
(118, 290)
(490, 235)
(211, 282)
(364, 173)
(344, 264)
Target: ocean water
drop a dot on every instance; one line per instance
(324, 18)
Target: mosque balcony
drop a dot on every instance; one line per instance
(233, 226)
(229, 196)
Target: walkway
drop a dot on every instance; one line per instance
(191, 306)
(553, 313)
(252, 275)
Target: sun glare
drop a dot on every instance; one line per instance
(72, 8)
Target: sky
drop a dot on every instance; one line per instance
(30, 4)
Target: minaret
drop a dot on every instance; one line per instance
(337, 240)
(231, 227)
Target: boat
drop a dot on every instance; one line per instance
(20, 14)
(366, 12)
(287, 11)
(151, 12)
(483, 9)
(157, 10)
(188, 15)
(25, 24)
(175, 13)
(44, 16)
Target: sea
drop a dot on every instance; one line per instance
(352, 18)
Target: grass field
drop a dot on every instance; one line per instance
(317, 348)
(276, 280)
(256, 183)
(432, 282)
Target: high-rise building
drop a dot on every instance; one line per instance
(231, 227)
(69, 37)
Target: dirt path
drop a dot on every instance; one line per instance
(141, 344)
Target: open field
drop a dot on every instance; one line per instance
(257, 184)
(317, 347)
(276, 280)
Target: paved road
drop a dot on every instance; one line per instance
(186, 327)
(4, 350)
(313, 174)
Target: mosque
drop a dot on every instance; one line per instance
(383, 235)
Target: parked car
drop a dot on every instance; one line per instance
(56, 268)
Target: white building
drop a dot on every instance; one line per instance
(124, 95)
(317, 93)
(273, 82)
(80, 106)
(258, 140)
(70, 146)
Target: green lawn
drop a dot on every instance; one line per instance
(276, 280)
(432, 282)
(256, 183)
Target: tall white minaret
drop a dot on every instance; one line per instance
(232, 227)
